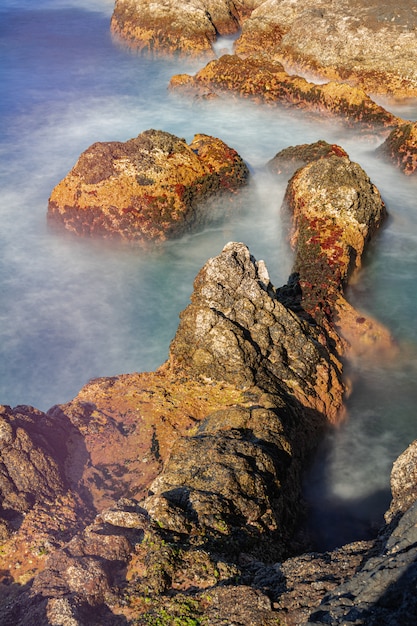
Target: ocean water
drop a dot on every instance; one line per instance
(72, 310)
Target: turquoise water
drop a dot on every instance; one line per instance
(72, 310)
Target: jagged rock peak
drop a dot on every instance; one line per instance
(236, 329)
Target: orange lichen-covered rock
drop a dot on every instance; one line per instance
(400, 147)
(150, 188)
(267, 82)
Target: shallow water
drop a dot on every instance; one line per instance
(72, 310)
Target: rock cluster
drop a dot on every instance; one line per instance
(370, 44)
(150, 188)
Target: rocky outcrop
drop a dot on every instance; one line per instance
(265, 81)
(287, 161)
(171, 27)
(194, 471)
(150, 188)
(370, 44)
(400, 147)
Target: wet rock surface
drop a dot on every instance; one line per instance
(150, 188)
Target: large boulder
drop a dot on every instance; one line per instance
(266, 81)
(150, 188)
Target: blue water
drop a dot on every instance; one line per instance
(72, 310)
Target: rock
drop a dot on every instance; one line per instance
(335, 211)
(287, 161)
(237, 330)
(371, 44)
(400, 147)
(150, 188)
(383, 590)
(32, 456)
(171, 27)
(266, 82)
(403, 483)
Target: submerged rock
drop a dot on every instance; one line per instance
(150, 188)
(400, 147)
(266, 81)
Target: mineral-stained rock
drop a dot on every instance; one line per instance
(400, 147)
(369, 43)
(150, 188)
(266, 81)
(175, 27)
(336, 210)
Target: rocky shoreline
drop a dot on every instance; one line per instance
(174, 496)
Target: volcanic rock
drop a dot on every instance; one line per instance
(400, 147)
(266, 81)
(150, 188)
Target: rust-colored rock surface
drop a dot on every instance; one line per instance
(400, 147)
(172, 27)
(150, 188)
(265, 81)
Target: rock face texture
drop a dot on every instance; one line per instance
(400, 147)
(175, 27)
(150, 188)
(371, 44)
(177, 492)
(266, 81)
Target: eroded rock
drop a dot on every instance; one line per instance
(150, 188)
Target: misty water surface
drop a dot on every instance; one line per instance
(72, 310)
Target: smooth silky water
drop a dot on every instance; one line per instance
(73, 310)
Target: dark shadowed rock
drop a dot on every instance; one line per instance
(150, 188)
(400, 147)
